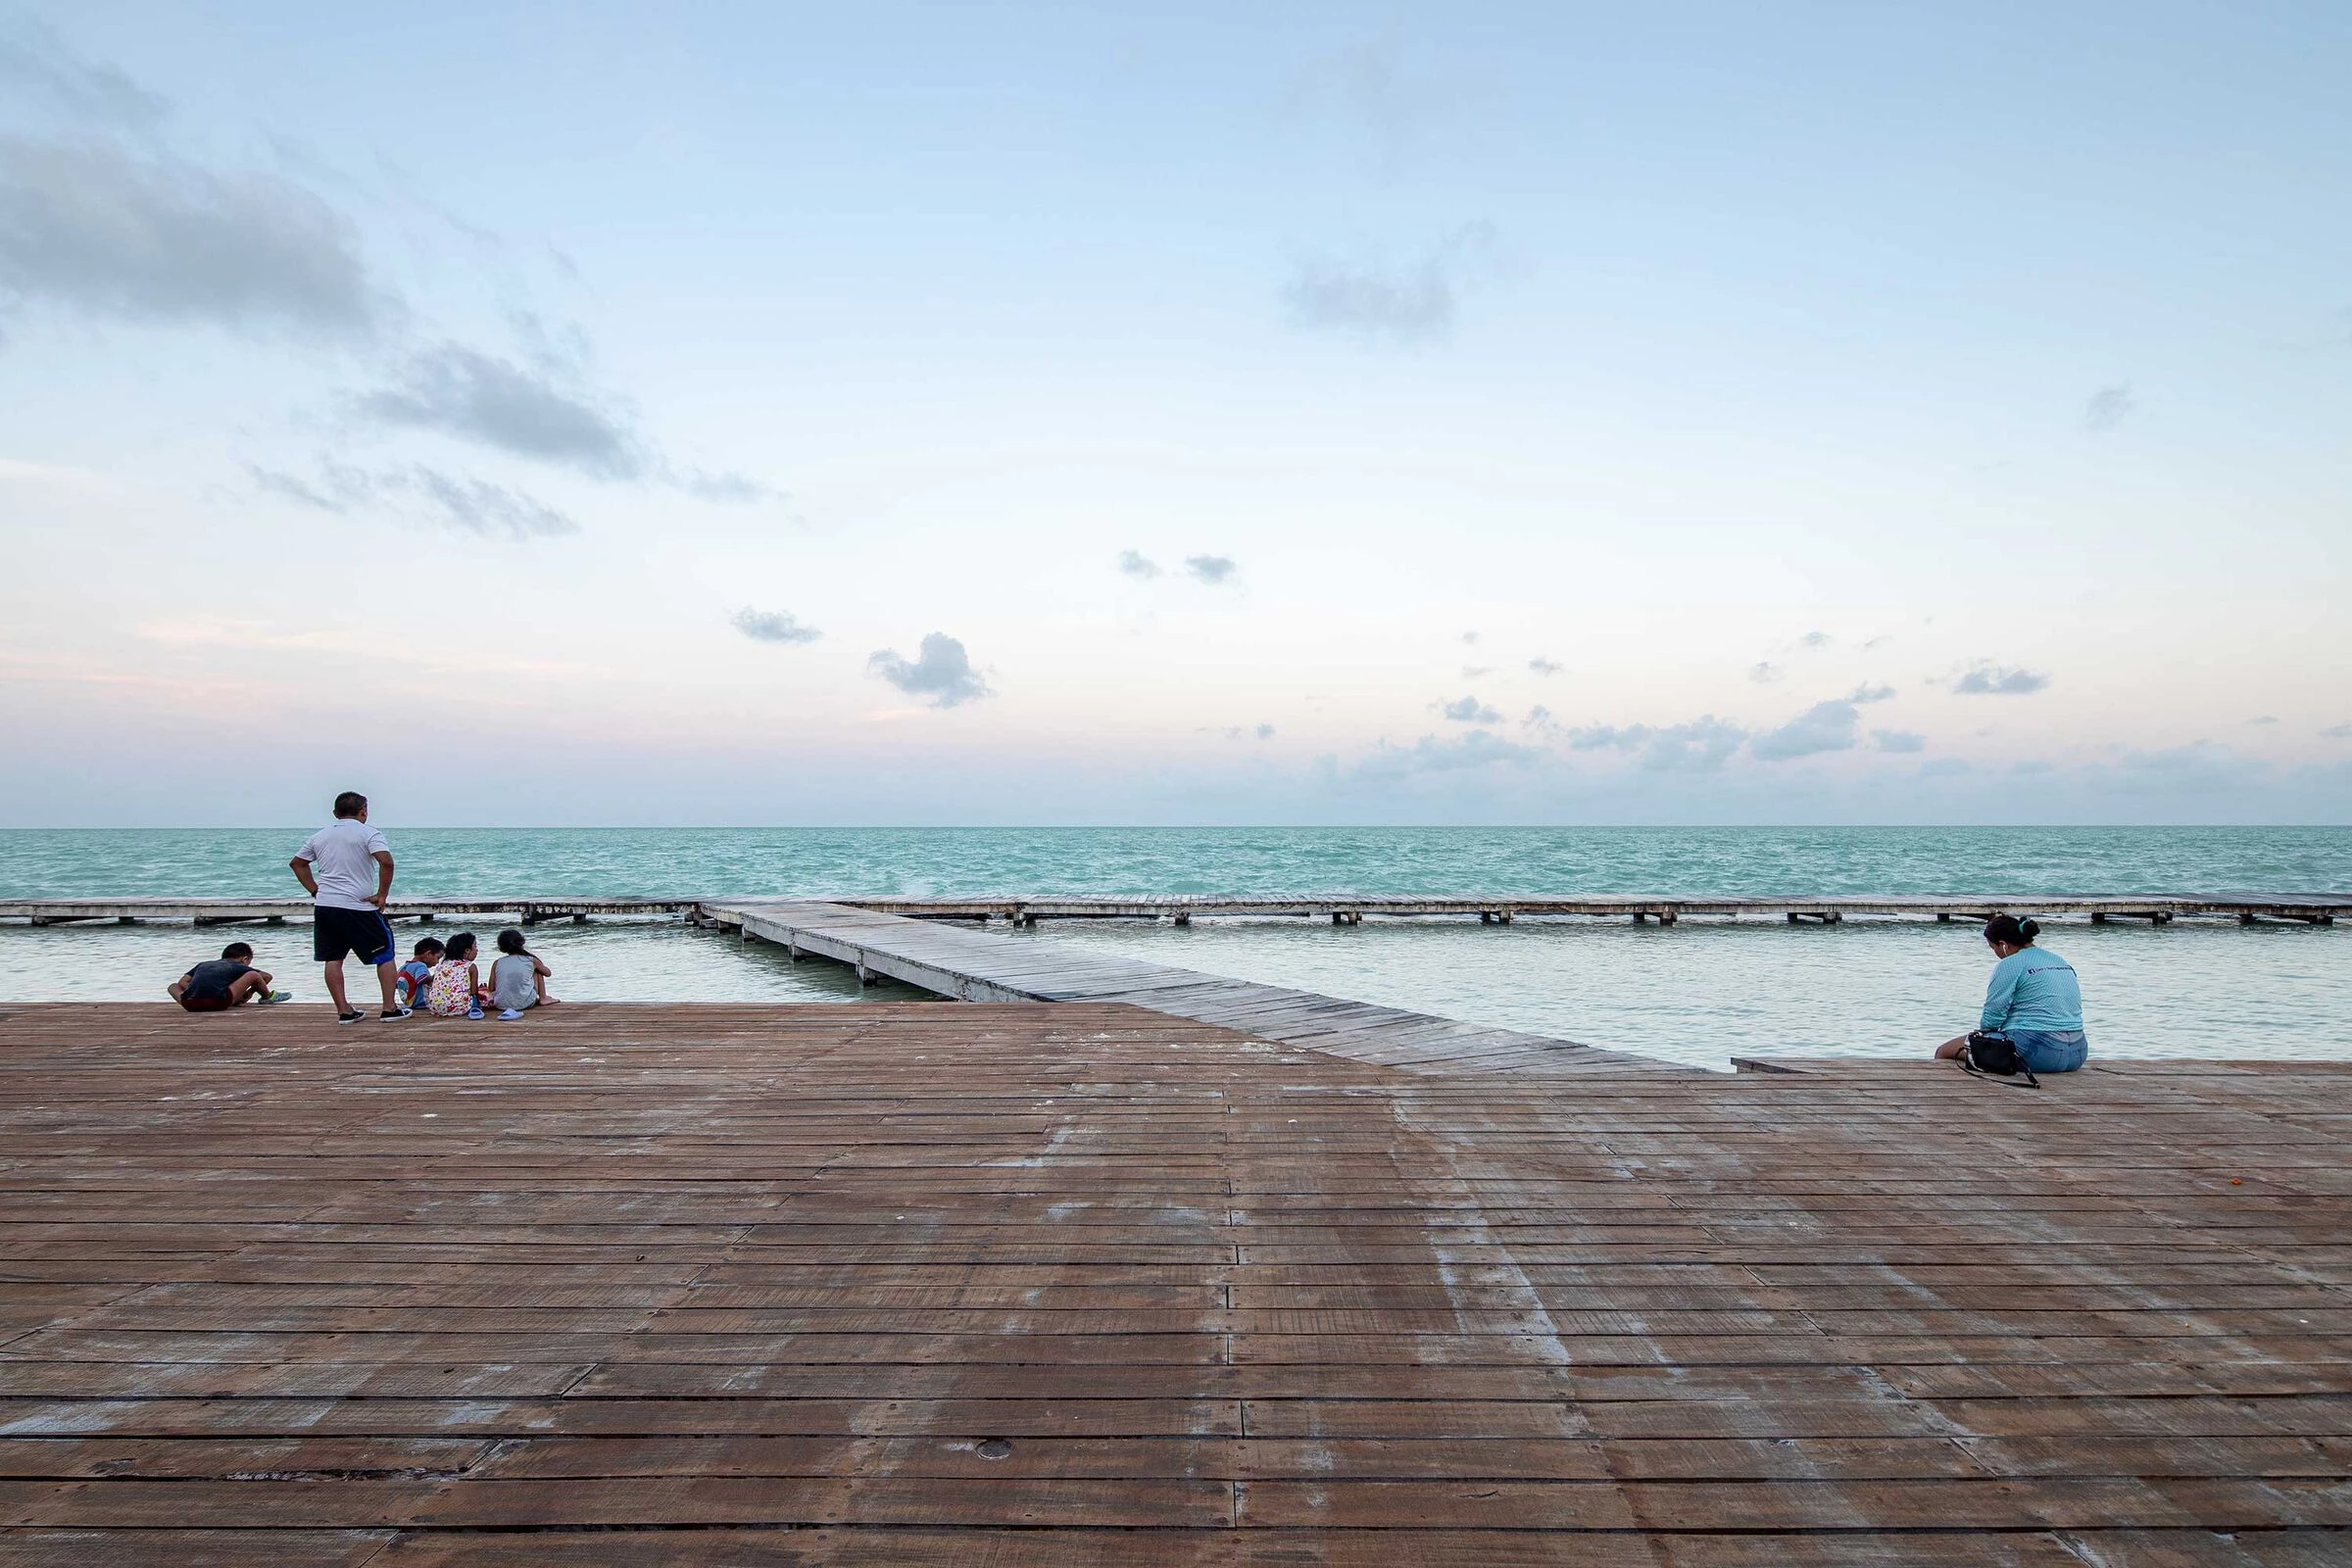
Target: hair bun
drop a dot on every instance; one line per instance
(2028, 929)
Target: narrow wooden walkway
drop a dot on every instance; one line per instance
(1066, 1285)
(978, 966)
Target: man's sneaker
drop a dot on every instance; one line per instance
(398, 1011)
(509, 1016)
(274, 996)
(349, 1017)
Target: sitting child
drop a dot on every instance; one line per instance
(457, 987)
(220, 984)
(518, 979)
(408, 986)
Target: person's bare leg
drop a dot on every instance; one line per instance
(334, 985)
(245, 987)
(174, 990)
(1951, 1050)
(386, 974)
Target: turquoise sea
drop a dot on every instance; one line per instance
(1700, 992)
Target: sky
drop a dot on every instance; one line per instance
(1221, 414)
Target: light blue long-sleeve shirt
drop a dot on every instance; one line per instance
(2033, 990)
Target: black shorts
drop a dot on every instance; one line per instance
(361, 932)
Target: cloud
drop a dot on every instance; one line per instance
(1764, 672)
(1543, 666)
(2028, 768)
(772, 626)
(1867, 693)
(727, 488)
(34, 63)
(944, 673)
(476, 505)
(2107, 408)
(1943, 767)
(2265, 718)
(1429, 754)
(1538, 718)
(1476, 671)
(1897, 739)
(1210, 569)
(1814, 639)
(1471, 638)
(2201, 768)
(2338, 732)
(478, 397)
(1469, 710)
(1134, 563)
(1700, 745)
(468, 505)
(1265, 732)
(89, 228)
(1984, 678)
(1375, 297)
(1824, 727)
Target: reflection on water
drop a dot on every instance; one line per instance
(1703, 990)
(1700, 992)
(628, 961)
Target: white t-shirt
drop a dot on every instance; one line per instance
(342, 856)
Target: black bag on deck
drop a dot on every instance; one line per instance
(1995, 1056)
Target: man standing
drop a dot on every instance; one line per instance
(339, 865)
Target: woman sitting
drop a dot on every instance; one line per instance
(2033, 1000)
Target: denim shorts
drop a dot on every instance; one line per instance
(2061, 1052)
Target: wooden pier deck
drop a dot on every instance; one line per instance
(1013, 1284)
(978, 966)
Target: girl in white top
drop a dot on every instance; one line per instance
(518, 979)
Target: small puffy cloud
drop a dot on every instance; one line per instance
(1469, 710)
(943, 673)
(477, 397)
(1829, 726)
(2028, 768)
(1764, 672)
(1540, 665)
(1429, 754)
(1700, 745)
(1943, 767)
(90, 228)
(1984, 678)
(2107, 408)
(1134, 563)
(1210, 569)
(2265, 718)
(1265, 732)
(1471, 638)
(773, 626)
(1377, 297)
(1867, 693)
(1477, 671)
(1897, 739)
(1814, 639)
(730, 488)
(1538, 718)
(2338, 732)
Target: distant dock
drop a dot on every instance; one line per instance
(1340, 909)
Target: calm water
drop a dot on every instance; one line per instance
(1698, 992)
(958, 862)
